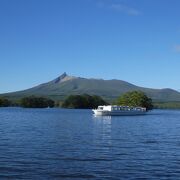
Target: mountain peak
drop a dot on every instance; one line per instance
(63, 77)
(65, 85)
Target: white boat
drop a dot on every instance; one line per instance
(119, 111)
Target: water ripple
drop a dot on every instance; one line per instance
(73, 144)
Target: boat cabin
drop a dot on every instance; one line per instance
(120, 108)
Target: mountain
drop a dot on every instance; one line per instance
(65, 85)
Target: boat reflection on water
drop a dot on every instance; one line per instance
(102, 118)
(102, 133)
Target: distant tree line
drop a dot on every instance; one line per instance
(5, 102)
(73, 101)
(28, 102)
(167, 105)
(84, 101)
(36, 102)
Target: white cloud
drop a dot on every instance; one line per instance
(117, 6)
(125, 9)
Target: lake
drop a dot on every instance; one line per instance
(73, 144)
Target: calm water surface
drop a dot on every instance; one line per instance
(73, 144)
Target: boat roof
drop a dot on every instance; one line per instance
(119, 106)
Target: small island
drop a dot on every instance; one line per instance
(135, 99)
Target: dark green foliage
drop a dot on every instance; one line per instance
(135, 98)
(4, 102)
(83, 102)
(36, 102)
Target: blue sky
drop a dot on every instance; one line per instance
(133, 40)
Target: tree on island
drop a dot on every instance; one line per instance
(84, 101)
(135, 99)
(36, 102)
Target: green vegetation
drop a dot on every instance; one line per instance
(167, 105)
(83, 101)
(135, 98)
(4, 102)
(36, 102)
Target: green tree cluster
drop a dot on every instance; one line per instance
(135, 99)
(83, 101)
(36, 102)
(4, 102)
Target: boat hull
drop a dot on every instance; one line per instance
(118, 113)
